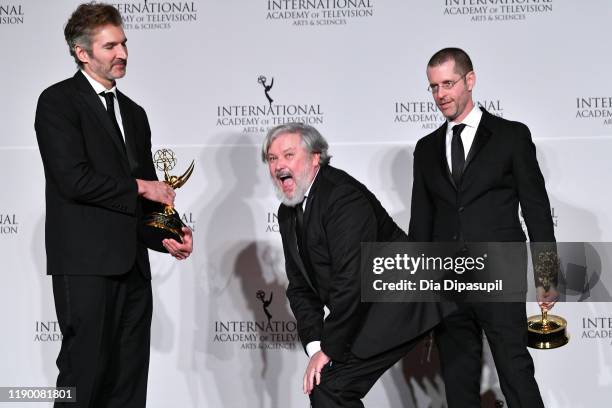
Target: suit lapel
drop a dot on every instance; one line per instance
(97, 107)
(293, 249)
(483, 134)
(312, 196)
(310, 203)
(441, 142)
(127, 117)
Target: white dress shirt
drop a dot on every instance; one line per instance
(99, 88)
(471, 121)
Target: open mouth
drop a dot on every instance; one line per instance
(286, 179)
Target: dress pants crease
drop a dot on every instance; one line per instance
(105, 323)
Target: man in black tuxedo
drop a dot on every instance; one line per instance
(95, 145)
(324, 216)
(469, 177)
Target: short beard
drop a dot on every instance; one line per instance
(300, 190)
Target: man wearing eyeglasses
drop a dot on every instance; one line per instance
(469, 177)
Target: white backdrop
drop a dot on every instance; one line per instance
(355, 69)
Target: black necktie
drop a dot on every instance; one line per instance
(299, 224)
(110, 109)
(457, 154)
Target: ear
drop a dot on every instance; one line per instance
(81, 54)
(316, 159)
(471, 80)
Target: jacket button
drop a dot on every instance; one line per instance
(455, 237)
(461, 209)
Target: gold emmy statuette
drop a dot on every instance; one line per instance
(546, 331)
(164, 222)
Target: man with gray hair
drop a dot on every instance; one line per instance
(324, 216)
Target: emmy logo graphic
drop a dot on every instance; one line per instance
(262, 80)
(261, 295)
(164, 222)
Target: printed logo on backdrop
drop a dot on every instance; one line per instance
(258, 117)
(9, 224)
(267, 88)
(312, 13)
(156, 15)
(11, 14)
(47, 331)
(596, 109)
(188, 220)
(265, 304)
(266, 333)
(272, 222)
(426, 115)
(496, 10)
(597, 328)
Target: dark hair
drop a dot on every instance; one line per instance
(83, 23)
(463, 63)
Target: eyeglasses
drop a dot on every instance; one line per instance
(445, 84)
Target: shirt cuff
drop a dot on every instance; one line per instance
(313, 347)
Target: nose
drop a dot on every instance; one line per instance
(281, 163)
(122, 51)
(274, 166)
(440, 93)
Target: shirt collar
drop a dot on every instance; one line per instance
(311, 183)
(471, 120)
(98, 87)
(308, 191)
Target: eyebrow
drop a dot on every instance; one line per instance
(441, 82)
(283, 152)
(115, 42)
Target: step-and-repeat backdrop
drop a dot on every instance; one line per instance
(213, 75)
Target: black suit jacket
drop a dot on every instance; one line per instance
(501, 171)
(92, 203)
(341, 213)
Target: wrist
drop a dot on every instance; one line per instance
(141, 186)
